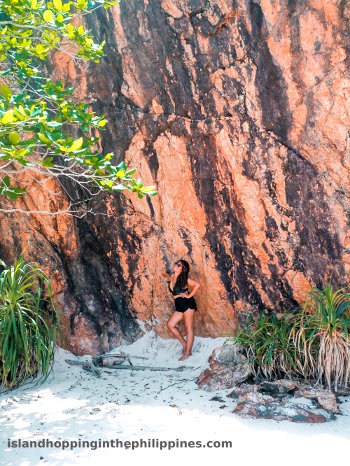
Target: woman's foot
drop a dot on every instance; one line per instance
(185, 356)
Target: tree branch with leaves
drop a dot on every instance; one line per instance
(43, 130)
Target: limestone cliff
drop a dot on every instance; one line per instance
(238, 111)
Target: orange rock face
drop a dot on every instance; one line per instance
(238, 112)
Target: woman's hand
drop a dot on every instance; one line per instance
(166, 275)
(195, 285)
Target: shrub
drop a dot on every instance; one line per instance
(321, 336)
(28, 323)
(311, 341)
(268, 346)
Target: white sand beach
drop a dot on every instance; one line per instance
(74, 405)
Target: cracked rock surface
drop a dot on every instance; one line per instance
(284, 399)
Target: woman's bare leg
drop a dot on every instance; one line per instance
(171, 324)
(188, 319)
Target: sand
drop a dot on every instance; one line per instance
(74, 405)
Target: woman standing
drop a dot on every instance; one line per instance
(185, 304)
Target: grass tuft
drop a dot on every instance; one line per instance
(28, 324)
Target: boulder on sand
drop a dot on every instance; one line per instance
(227, 367)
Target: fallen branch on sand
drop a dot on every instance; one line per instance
(151, 368)
(109, 360)
(120, 355)
(88, 366)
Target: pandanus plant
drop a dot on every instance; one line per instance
(268, 346)
(311, 341)
(28, 323)
(321, 336)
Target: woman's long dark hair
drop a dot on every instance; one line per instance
(183, 277)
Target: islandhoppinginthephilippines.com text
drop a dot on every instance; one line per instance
(116, 443)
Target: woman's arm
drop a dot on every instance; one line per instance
(166, 275)
(195, 285)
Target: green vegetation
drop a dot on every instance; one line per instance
(311, 342)
(320, 335)
(28, 324)
(268, 346)
(43, 129)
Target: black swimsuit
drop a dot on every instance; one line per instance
(182, 304)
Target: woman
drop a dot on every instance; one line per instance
(185, 304)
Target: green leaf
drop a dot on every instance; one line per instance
(11, 194)
(57, 4)
(76, 145)
(139, 183)
(43, 138)
(148, 189)
(152, 193)
(40, 48)
(8, 117)
(53, 124)
(102, 123)
(14, 137)
(48, 162)
(82, 4)
(120, 173)
(6, 92)
(119, 187)
(48, 16)
(131, 172)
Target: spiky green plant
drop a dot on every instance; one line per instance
(28, 323)
(311, 341)
(321, 336)
(268, 346)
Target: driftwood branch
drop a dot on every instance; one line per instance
(151, 368)
(98, 361)
(121, 355)
(87, 366)
(109, 360)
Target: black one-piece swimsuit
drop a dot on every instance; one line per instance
(182, 304)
